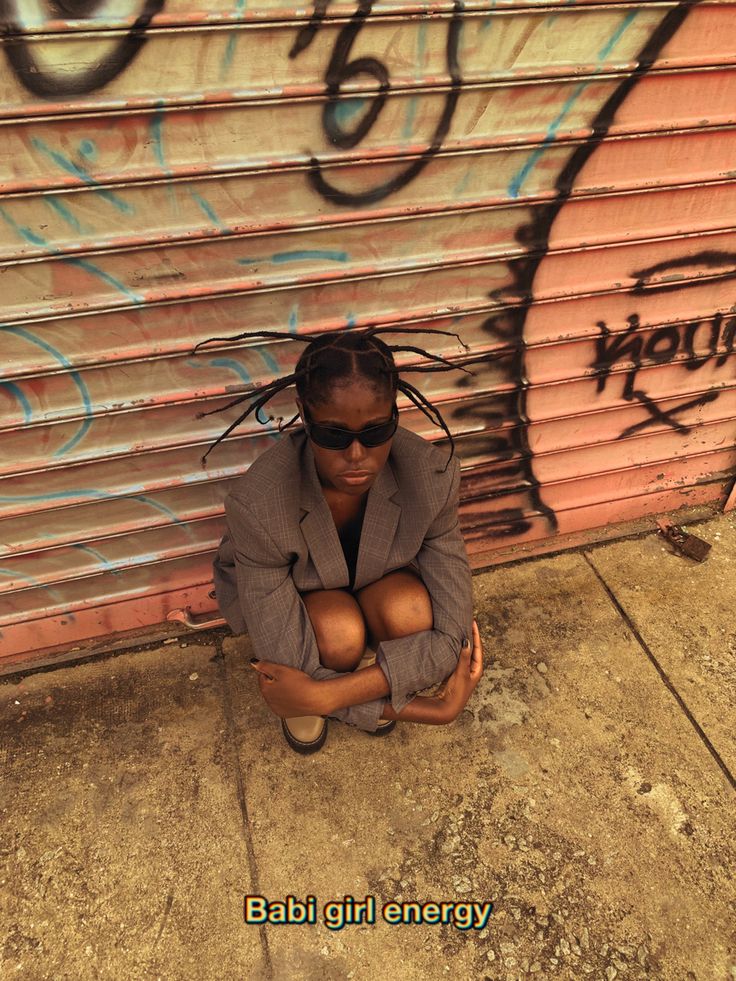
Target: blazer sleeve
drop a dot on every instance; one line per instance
(275, 616)
(426, 658)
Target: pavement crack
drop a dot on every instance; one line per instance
(662, 673)
(167, 910)
(242, 800)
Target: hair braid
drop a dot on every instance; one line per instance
(333, 356)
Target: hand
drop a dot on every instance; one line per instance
(457, 689)
(288, 692)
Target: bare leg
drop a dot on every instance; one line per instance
(338, 626)
(396, 606)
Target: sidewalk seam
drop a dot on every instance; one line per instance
(662, 673)
(242, 801)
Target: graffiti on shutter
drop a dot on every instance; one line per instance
(553, 182)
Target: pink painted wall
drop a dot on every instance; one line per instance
(555, 183)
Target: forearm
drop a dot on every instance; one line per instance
(353, 688)
(370, 683)
(425, 709)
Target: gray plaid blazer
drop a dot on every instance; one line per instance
(282, 541)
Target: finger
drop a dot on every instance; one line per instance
(264, 668)
(477, 644)
(476, 663)
(462, 667)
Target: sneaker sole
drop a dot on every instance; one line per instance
(384, 730)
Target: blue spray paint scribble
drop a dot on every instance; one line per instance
(228, 363)
(347, 108)
(411, 109)
(553, 17)
(17, 392)
(294, 319)
(210, 212)
(106, 564)
(269, 361)
(488, 21)
(75, 377)
(232, 42)
(303, 255)
(157, 137)
(350, 320)
(61, 209)
(88, 149)
(462, 184)
(85, 264)
(19, 575)
(421, 45)
(95, 495)
(300, 255)
(52, 591)
(232, 365)
(520, 177)
(23, 230)
(56, 496)
(71, 168)
(106, 277)
(159, 507)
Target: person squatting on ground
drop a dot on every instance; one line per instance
(343, 549)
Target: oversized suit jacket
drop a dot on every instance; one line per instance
(282, 541)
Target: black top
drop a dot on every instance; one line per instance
(349, 536)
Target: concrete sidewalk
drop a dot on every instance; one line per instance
(587, 791)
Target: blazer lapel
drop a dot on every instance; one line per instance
(319, 529)
(380, 522)
(379, 528)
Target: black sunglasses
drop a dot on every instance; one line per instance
(332, 438)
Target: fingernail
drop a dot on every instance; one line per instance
(254, 660)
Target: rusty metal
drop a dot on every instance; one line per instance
(186, 617)
(683, 542)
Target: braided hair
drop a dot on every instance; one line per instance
(333, 356)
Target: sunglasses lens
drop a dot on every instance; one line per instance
(378, 434)
(329, 439)
(340, 439)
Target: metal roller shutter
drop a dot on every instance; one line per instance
(552, 181)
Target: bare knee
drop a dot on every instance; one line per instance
(396, 606)
(408, 613)
(339, 628)
(342, 646)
